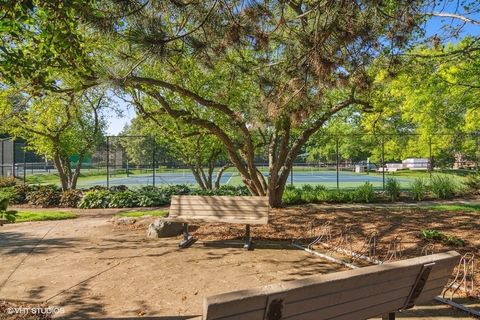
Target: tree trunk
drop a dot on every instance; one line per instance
(76, 174)
(59, 165)
(68, 178)
(198, 177)
(219, 175)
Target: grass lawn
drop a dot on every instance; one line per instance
(155, 213)
(473, 207)
(25, 215)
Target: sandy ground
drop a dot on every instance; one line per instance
(93, 270)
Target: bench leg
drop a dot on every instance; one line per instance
(248, 238)
(187, 239)
(390, 316)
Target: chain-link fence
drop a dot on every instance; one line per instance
(348, 161)
(17, 161)
(341, 161)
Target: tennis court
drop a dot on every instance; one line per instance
(328, 178)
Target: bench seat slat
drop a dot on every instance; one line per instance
(218, 214)
(176, 212)
(221, 200)
(210, 219)
(194, 207)
(341, 292)
(340, 298)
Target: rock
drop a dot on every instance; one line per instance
(163, 229)
(125, 221)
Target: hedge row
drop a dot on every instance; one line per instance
(438, 187)
(101, 197)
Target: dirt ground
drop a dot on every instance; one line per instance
(93, 270)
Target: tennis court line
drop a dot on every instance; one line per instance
(230, 178)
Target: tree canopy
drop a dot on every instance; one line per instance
(261, 77)
(58, 127)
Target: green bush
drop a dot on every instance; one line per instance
(95, 199)
(121, 187)
(291, 195)
(393, 188)
(70, 198)
(44, 196)
(419, 189)
(432, 235)
(20, 192)
(308, 194)
(151, 197)
(365, 193)
(7, 182)
(124, 199)
(453, 241)
(472, 183)
(151, 200)
(4, 201)
(443, 187)
(337, 196)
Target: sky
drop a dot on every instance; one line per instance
(117, 122)
(433, 26)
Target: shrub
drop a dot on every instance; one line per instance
(20, 193)
(95, 199)
(121, 187)
(291, 195)
(443, 187)
(419, 189)
(227, 190)
(472, 183)
(437, 236)
(124, 199)
(97, 187)
(7, 182)
(179, 189)
(453, 241)
(393, 188)
(70, 198)
(308, 194)
(431, 235)
(365, 193)
(45, 196)
(151, 199)
(4, 200)
(337, 196)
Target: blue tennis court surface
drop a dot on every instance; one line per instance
(327, 178)
(147, 180)
(345, 176)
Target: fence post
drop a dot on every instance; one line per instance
(24, 165)
(13, 159)
(337, 157)
(108, 161)
(383, 161)
(154, 150)
(430, 167)
(3, 158)
(476, 150)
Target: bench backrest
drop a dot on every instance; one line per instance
(356, 294)
(231, 209)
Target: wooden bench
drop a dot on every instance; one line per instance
(363, 293)
(218, 209)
